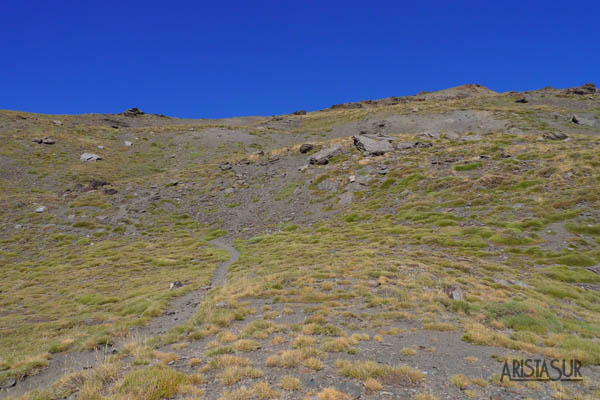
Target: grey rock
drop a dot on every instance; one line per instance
(175, 284)
(471, 138)
(352, 178)
(133, 112)
(322, 157)
(403, 145)
(429, 135)
(555, 136)
(101, 147)
(8, 383)
(225, 166)
(40, 209)
(85, 157)
(128, 143)
(306, 147)
(346, 198)
(454, 292)
(273, 159)
(350, 388)
(328, 185)
(229, 191)
(371, 146)
(48, 140)
(300, 112)
(57, 122)
(364, 180)
(303, 168)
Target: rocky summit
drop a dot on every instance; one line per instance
(412, 247)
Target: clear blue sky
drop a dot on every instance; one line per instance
(229, 58)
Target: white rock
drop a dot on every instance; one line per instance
(40, 209)
(128, 143)
(85, 157)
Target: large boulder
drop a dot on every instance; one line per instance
(372, 146)
(322, 157)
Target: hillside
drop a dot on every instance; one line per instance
(395, 248)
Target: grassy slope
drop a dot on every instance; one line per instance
(422, 227)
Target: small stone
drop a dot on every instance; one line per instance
(40, 209)
(128, 143)
(306, 147)
(352, 178)
(175, 284)
(303, 168)
(48, 140)
(225, 166)
(57, 122)
(101, 147)
(574, 119)
(85, 157)
(454, 292)
(8, 383)
(229, 191)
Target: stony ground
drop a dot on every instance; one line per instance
(416, 244)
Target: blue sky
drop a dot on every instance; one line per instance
(229, 58)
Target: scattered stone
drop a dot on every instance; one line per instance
(133, 112)
(303, 168)
(40, 209)
(422, 145)
(222, 304)
(8, 383)
(454, 292)
(175, 284)
(57, 122)
(110, 191)
(350, 388)
(173, 183)
(370, 146)
(471, 138)
(364, 180)
(522, 99)
(85, 157)
(588, 88)
(18, 226)
(101, 147)
(382, 170)
(225, 166)
(352, 178)
(306, 147)
(403, 145)
(259, 153)
(45, 140)
(429, 135)
(300, 112)
(346, 198)
(322, 157)
(555, 136)
(327, 185)
(229, 191)
(574, 119)
(128, 143)
(273, 159)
